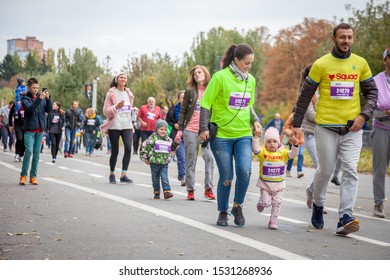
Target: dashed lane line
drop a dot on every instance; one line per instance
(96, 175)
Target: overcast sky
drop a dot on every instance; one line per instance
(132, 27)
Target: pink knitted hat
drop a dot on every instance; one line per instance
(272, 133)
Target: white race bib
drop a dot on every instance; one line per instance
(237, 100)
(341, 90)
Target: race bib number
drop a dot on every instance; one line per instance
(161, 146)
(238, 100)
(151, 116)
(125, 108)
(91, 122)
(197, 106)
(56, 119)
(341, 90)
(273, 170)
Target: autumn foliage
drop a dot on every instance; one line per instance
(292, 50)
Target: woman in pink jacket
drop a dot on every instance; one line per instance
(117, 109)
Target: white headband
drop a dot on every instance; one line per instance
(120, 73)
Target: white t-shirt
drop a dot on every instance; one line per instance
(123, 115)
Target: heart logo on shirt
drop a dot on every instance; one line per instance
(331, 76)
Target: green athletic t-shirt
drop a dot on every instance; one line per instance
(224, 95)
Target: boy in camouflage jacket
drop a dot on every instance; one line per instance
(156, 151)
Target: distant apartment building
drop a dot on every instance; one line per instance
(24, 46)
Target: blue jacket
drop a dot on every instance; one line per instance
(34, 111)
(272, 124)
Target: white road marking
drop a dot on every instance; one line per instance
(286, 219)
(77, 171)
(96, 175)
(63, 167)
(10, 166)
(271, 250)
(369, 240)
(334, 210)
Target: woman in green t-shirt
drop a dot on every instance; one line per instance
(230, 96)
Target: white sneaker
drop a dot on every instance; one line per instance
(16, 158)
(288, 173)
(20, 159)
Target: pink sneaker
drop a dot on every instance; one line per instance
(260, 208)
(273, 224)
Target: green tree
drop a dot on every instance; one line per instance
(8, 68)
(208, 49)
(32, 63)
(62, 60)
(50, 60)
(18, 65)
(372, 36)
(72, 76)
(44, 67)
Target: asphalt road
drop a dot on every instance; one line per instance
(75, 214)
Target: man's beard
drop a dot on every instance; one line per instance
(341, 50)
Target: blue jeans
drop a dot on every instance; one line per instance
(70, 135)
(224, 151)
(181, 161)
(160, 171)
(32, 143)
(90, 142)
(300, 159)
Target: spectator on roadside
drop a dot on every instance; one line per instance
(380, 136)
(148, 115)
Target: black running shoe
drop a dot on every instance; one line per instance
(222, 219)
(112, 179)
(239, 219)
(125, 179)
(317, 217)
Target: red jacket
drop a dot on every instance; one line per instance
(149, 116)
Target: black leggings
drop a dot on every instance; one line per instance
(127, 138)
(19, 146)
(55, 139)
